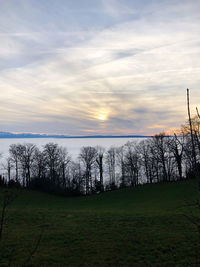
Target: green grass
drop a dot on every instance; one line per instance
(143, 226)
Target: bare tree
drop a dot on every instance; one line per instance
(177, 148)
(160, 151)
(39, 164)
(88, 156)
(132, 162)
(8, 167)
(26, 158)
(64, 160)
(120, 155)
(147, 159)
(99, 160)
(14, 155)
(77, 177)
(111, 163)
(51, 154)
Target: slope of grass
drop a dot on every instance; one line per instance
(143, 226)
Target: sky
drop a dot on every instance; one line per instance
(89, 67)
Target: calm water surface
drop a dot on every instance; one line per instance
(73, 145)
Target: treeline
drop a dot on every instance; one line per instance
(157, 159)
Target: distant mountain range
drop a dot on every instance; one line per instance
(30, 135)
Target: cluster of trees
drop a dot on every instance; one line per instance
(157, 159)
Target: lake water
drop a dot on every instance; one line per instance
(73, 145)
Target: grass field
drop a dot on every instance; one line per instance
(143, 226)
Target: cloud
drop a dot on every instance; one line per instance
(136, 69)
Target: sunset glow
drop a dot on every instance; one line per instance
(98, 66)
(102, 117)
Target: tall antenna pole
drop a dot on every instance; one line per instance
(194, 163)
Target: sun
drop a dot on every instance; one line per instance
(102, 117)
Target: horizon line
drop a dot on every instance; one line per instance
(43, 135)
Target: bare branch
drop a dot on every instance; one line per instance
(35, 248)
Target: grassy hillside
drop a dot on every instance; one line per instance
(143, 226)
